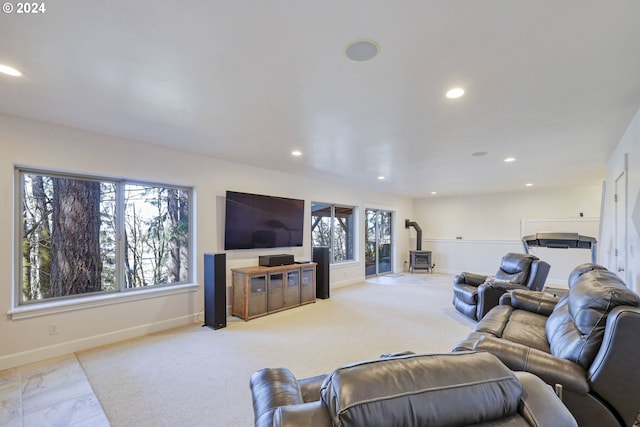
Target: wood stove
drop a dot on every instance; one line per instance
(420, 260)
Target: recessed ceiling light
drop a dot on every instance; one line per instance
(362, 50)
(479, 153)
(296, 153)
(10, 71)
(381, 178)
(510, 159)
(456, 92)
(528, 184)
(434, 193)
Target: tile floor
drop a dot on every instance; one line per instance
(55, 392)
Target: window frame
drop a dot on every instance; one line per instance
(332, 218)
(23, 309)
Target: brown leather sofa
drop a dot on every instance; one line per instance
(587, 343)
(475, 294)
(460, 389)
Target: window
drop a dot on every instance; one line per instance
(86, 235)
(333, 226)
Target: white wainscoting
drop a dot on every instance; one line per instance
(453, 256)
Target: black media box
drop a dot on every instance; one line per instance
(275, 260)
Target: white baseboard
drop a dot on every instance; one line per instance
(16, 359)
(342, 283)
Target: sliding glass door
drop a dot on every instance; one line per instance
(378, 242)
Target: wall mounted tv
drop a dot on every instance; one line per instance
(257, 221)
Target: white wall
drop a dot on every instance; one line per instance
(629, 145)
(41, 145)
(490, 225)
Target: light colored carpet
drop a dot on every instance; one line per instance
(196, 376)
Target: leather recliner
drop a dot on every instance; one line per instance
(475, 294)
(460, 389)
(587, 343)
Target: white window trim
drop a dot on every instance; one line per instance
(47, 308)
(20, 310)
(346, 262)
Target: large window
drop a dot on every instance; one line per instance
(85, 235)
(333, 226)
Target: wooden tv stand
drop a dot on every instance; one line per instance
(258, 291)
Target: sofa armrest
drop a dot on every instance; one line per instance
(310, 387)
(617, 357)
(503, 285)
(311, 414)
(538, 275)
(552, 370)
(540, 406)
(505, 299)
(272, 388)
(489, 294)
(469, 279)
(534, 301)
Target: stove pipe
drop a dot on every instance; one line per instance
(408, 223)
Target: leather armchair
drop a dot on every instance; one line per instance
(587, 342)
(460, 389)
(475, 294)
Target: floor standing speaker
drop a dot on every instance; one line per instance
(215, 290)
(320, 255)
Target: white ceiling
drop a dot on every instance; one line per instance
(552, 83)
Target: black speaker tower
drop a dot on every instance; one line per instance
(320, 255)
(215, 290)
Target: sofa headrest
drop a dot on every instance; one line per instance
(515, 267)
(436, 390)
(580, 270)
(593, 295)
(576, 327)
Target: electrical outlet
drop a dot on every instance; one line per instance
(53, 329)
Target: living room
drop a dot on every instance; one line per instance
(465, 230)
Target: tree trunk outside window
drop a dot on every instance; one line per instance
(76, 265)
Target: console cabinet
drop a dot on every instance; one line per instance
(259, 290)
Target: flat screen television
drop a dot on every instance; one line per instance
(257, 221)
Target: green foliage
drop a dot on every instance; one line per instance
(332, 226)
(154, 234)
